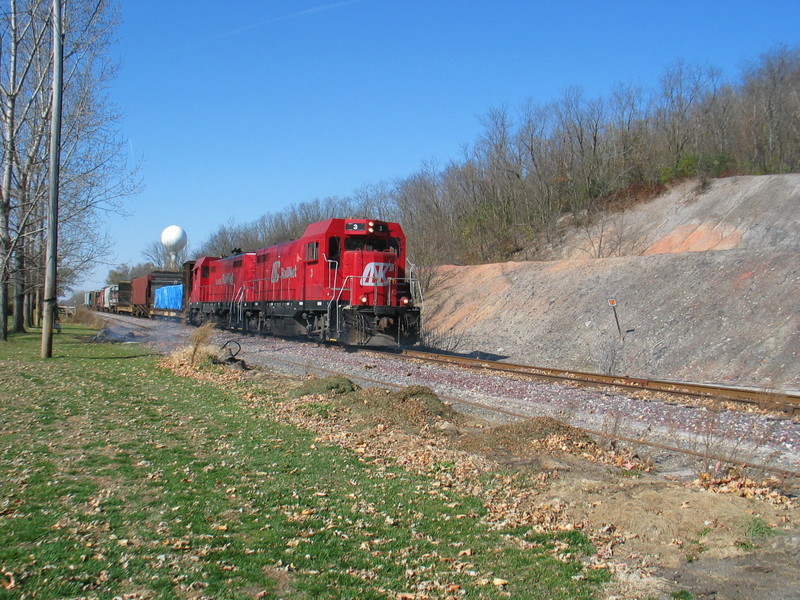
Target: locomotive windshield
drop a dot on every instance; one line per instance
(372, 244)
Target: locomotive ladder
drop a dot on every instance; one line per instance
(335, 302)
(237, 306)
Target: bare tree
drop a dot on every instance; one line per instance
(574, 161)
(126, 272)
(158, 255)
(93, 170)
(771, 110)
(22, 44)
(534, 143)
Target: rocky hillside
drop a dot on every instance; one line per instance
(706, 283)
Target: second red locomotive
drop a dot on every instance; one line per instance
(343, 280)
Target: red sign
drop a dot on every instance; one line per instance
(612, 302)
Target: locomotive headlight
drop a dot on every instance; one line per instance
(371, 226)
(405, 301)
(364, 299)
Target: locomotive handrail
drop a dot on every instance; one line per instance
(212, 292)
(265, 290)
(237, 302)
(416, 286)
(332, 286)
(335, 301)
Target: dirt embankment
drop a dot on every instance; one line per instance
(706, 283)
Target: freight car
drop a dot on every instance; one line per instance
(139, 297)
(145, 294)
(109, 298)
(344, 280)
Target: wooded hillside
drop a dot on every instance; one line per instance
(580, 157)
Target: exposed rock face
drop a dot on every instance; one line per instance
(707, 287)
(698, 238)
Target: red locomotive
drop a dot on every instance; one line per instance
(344, 280)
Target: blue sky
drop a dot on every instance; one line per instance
(240, 108)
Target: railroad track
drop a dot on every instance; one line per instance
(756, 397)
(769, 400)
(787, 403)
(776, 471)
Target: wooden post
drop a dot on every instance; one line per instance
(50, 285)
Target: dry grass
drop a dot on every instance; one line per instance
(84, 316)
(199, 339)
(189, 355)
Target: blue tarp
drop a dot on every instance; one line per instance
(170, 297)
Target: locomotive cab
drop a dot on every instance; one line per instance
(372, 263)
(377, 303)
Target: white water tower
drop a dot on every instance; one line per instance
(174, 240)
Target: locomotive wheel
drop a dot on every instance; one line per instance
(321, 324)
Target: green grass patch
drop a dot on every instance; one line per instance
(122, 478)
(758, 527)
(327, 385)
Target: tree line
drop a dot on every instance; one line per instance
(505, 196)
(578, 156)
(94, 176)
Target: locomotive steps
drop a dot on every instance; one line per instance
(705, 284)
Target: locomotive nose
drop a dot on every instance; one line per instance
(377, 284)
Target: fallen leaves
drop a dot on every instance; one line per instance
(511, 499)
(8, 582)
(735, 483)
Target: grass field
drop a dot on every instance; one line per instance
(121, 479)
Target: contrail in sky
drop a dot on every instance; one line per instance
(301, 13)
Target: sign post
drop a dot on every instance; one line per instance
(612, 302)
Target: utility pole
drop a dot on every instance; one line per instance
(50, 285)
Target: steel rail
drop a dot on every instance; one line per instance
(768, 400)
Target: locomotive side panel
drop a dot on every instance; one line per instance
(221, 289)
(201, 280)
